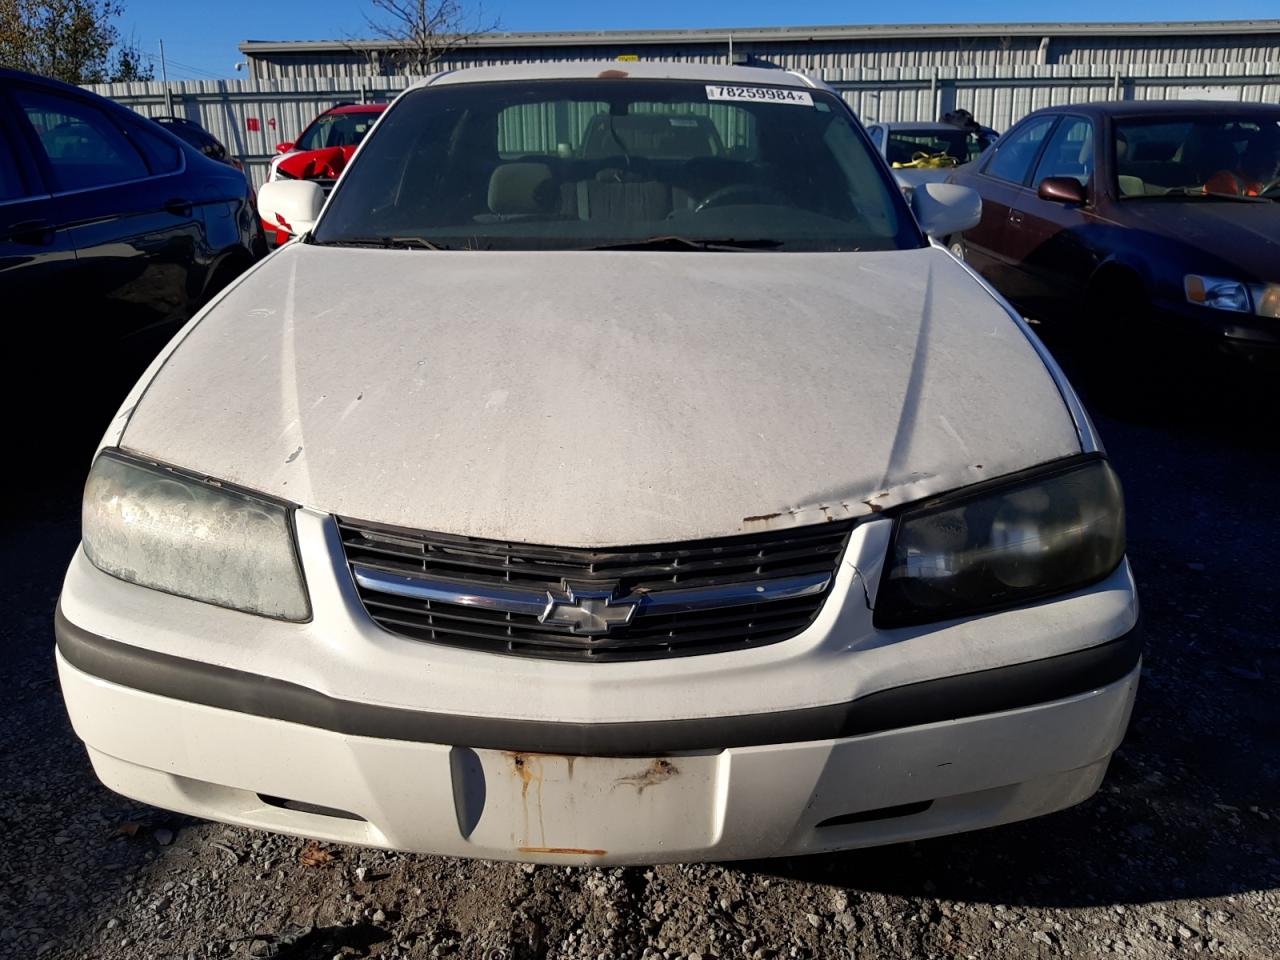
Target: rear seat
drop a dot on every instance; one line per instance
(526, 189)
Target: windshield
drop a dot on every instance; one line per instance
(336, 130)
(1218, 156)
(608, 162)
(911, 147)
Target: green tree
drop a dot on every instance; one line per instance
(72, 40)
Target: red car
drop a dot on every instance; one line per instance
(322, 151)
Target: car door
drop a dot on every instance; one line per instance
(37, 257)
(1046, 240)
(1001, 180)
(121, 199)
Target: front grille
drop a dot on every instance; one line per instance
(401, 576)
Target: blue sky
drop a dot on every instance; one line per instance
(200, 36)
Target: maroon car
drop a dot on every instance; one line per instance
(1129, 219)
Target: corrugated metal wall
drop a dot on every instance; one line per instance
(252, 116)
(824, 53)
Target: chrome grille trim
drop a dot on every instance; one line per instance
(594, 604)
(493, 597)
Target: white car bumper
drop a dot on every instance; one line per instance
(843, 736)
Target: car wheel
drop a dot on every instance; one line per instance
(955, 243)
(1127, 364)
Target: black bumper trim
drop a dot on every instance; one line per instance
(929, 701)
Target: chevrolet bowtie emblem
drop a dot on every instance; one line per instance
(588, 612)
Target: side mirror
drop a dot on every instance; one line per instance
(1063, 190)
(943, 209)
(284, 147)
(292, 206)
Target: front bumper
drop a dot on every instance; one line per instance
(744, 802)
(1232, 332)
(842, 736)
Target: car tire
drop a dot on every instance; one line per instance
(226, 271)
(956, 244)
(1130, 365)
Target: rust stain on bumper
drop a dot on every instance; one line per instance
(659, 771)
(567, 851)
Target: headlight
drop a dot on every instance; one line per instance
(1267, 298)
(160, 528)
(1221, 294)
(1002, 545)
(1217, 293)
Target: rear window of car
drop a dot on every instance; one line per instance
(912, 146)
(197, 137)
(84, 145)
(163, 155)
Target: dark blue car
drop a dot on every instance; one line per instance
(112, 229)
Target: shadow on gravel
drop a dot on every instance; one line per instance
(1195, 391)
(324, 943)
(1189, 806)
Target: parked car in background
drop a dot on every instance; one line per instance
(111, 228)
(580, 498)
(200, 138)
(322, 151)
(1137, 219)
(928, 152)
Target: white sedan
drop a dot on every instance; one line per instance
(612, 472)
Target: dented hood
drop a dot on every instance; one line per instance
(583, 399)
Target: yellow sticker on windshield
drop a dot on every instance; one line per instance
(798, 98)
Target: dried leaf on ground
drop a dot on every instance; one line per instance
(314, 855)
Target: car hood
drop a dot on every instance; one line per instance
(1245, 236)
(584, 399)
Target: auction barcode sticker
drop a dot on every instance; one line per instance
(799, 98)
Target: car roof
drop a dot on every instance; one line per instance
(8, 74)
(357, 108)
(932, 126)
(642, 70)
(177, 121)
(1164, 108)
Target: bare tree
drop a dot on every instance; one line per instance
(420, 32)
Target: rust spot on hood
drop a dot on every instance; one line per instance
(761, 518)
(612, 75)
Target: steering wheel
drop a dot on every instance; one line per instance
(739, 193)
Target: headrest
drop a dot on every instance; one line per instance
(521, 188)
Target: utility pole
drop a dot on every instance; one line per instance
(164, 75)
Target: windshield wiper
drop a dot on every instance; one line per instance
(384, 243)
(690, 243)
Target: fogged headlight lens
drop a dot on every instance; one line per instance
(1047, 534)
(153, 526)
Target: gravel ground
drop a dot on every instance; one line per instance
(1178, 854)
